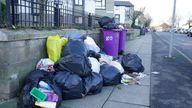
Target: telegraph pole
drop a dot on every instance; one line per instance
(172, 34)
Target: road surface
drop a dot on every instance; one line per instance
(172, 86)
(182, 42)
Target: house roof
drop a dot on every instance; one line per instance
(164, 25)
(124, 3)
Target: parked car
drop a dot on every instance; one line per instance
(189, 32)
(185, 31)
(174, 30)
(180, 31)
(166, 30)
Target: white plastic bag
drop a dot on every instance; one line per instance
(117, 65)
(45, 64)
(126, 79)
(91, 45)
(105, 58)
(121, 27)
(95, 65)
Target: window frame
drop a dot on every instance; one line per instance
(80, 20)
(78, 3)
(117, 15)
(101, 6)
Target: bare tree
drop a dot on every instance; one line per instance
(148, 22)
(189, 23)
(135, 15)
(178, 20)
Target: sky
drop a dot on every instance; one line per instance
(161, 10)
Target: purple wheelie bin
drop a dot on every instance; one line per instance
(111, 41)
(122, 40)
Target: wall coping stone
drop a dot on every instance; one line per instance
(32, 34)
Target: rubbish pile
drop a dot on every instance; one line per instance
(76, 67)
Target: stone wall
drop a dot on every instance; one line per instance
(20, 50)
(133, 33)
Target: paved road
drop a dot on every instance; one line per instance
(181, 42)
(172, 87)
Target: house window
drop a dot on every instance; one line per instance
(78, 2)
(78, 19)
(100, 4)
(117, 18)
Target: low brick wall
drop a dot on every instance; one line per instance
(132, 34)
(20, 51)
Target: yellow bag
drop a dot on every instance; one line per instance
(54, 47)
(64, 41)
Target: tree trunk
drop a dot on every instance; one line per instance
(133, 24)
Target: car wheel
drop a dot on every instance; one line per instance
(188, 34)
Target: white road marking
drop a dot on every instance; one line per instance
(186, 57)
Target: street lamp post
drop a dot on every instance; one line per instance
(172, 34)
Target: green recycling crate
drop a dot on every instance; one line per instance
(38, 94)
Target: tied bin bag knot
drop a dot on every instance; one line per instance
(74, 47)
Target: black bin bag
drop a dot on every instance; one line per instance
(26, 100)
(93, 84)
(70, 84)
(111, 75)
(94, 54)
(110, 26)
(104, 21)
(78, 64)
(76, 47)
(132, 63)
(35, 76)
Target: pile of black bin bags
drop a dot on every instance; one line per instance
(107, 23)
(73, 76)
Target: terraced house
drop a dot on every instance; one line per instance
(122, 12)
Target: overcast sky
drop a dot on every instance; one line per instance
(161, 10)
